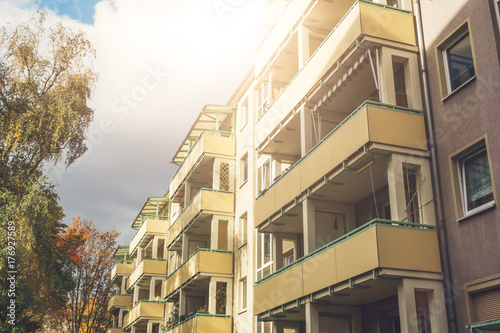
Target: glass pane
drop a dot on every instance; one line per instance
(477, 180)
(460, 62)
(267, 248)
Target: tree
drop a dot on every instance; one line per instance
(89, 299)
(46, 80)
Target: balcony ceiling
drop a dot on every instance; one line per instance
(201, 176)
(367, 292)
(327, 14)
(200, 226)
(349, 186)
(152, 206)
(356, 87)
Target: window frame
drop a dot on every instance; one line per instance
(244, 169)
(442, 49)
(244, 114)
(244, 229)
(243, 294)
(458, 175)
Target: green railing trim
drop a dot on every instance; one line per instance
(484, 324)
(403, 11)
(358, 230)
(231, 135)
(337, 128)
(195, 253)
(203, 189)
(198, 315)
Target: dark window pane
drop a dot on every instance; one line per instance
(460, 62)
(477, 180)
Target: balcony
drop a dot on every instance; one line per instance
(203, 263)
(119, 301)
(150, 227)
(147, 267)
(115, 330)
(363, 19)
(122, 267)
(214, 143)
(379, 244)
(371, 122)
(203, 323)
(143, 311)
(205, 202)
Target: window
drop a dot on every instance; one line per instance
(243, 229)
(243, 289)
(262, 99)
(244, 114)
(244, 169)
(472, 177)
(411, 174)
(475, 179)
(264, 261)
(456, 60)
(483, 304)
(221, 298)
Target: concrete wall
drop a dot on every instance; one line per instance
(460, 119)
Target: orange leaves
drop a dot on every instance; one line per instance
(71, 241)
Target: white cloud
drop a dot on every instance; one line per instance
(206, 56)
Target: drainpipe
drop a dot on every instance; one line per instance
(440, 222)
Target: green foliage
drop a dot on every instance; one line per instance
(46, 80)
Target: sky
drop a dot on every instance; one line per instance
(159, 63)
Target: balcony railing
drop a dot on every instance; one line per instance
(364, 18)
(376, 244)
(218, 143)
(147, 267)
(201, 322)
(144, 310)
(371, 122)
(204, 262)
(119, 301)
(205, 200)
(151, 225)
(122, 267)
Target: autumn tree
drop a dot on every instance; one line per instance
(87, 312)
(46, 81)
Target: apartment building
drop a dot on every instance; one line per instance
(462, 57)
(308, 202)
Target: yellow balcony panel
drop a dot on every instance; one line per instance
(206, 201)
(115, 330)
(147, 230)
(121, 268)
(370, 123)
(204, 323)
(203, 262)
(210, 143)
(119, 301)
(364, 18)
(147, 268)
(375, 245)
(143, 311)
